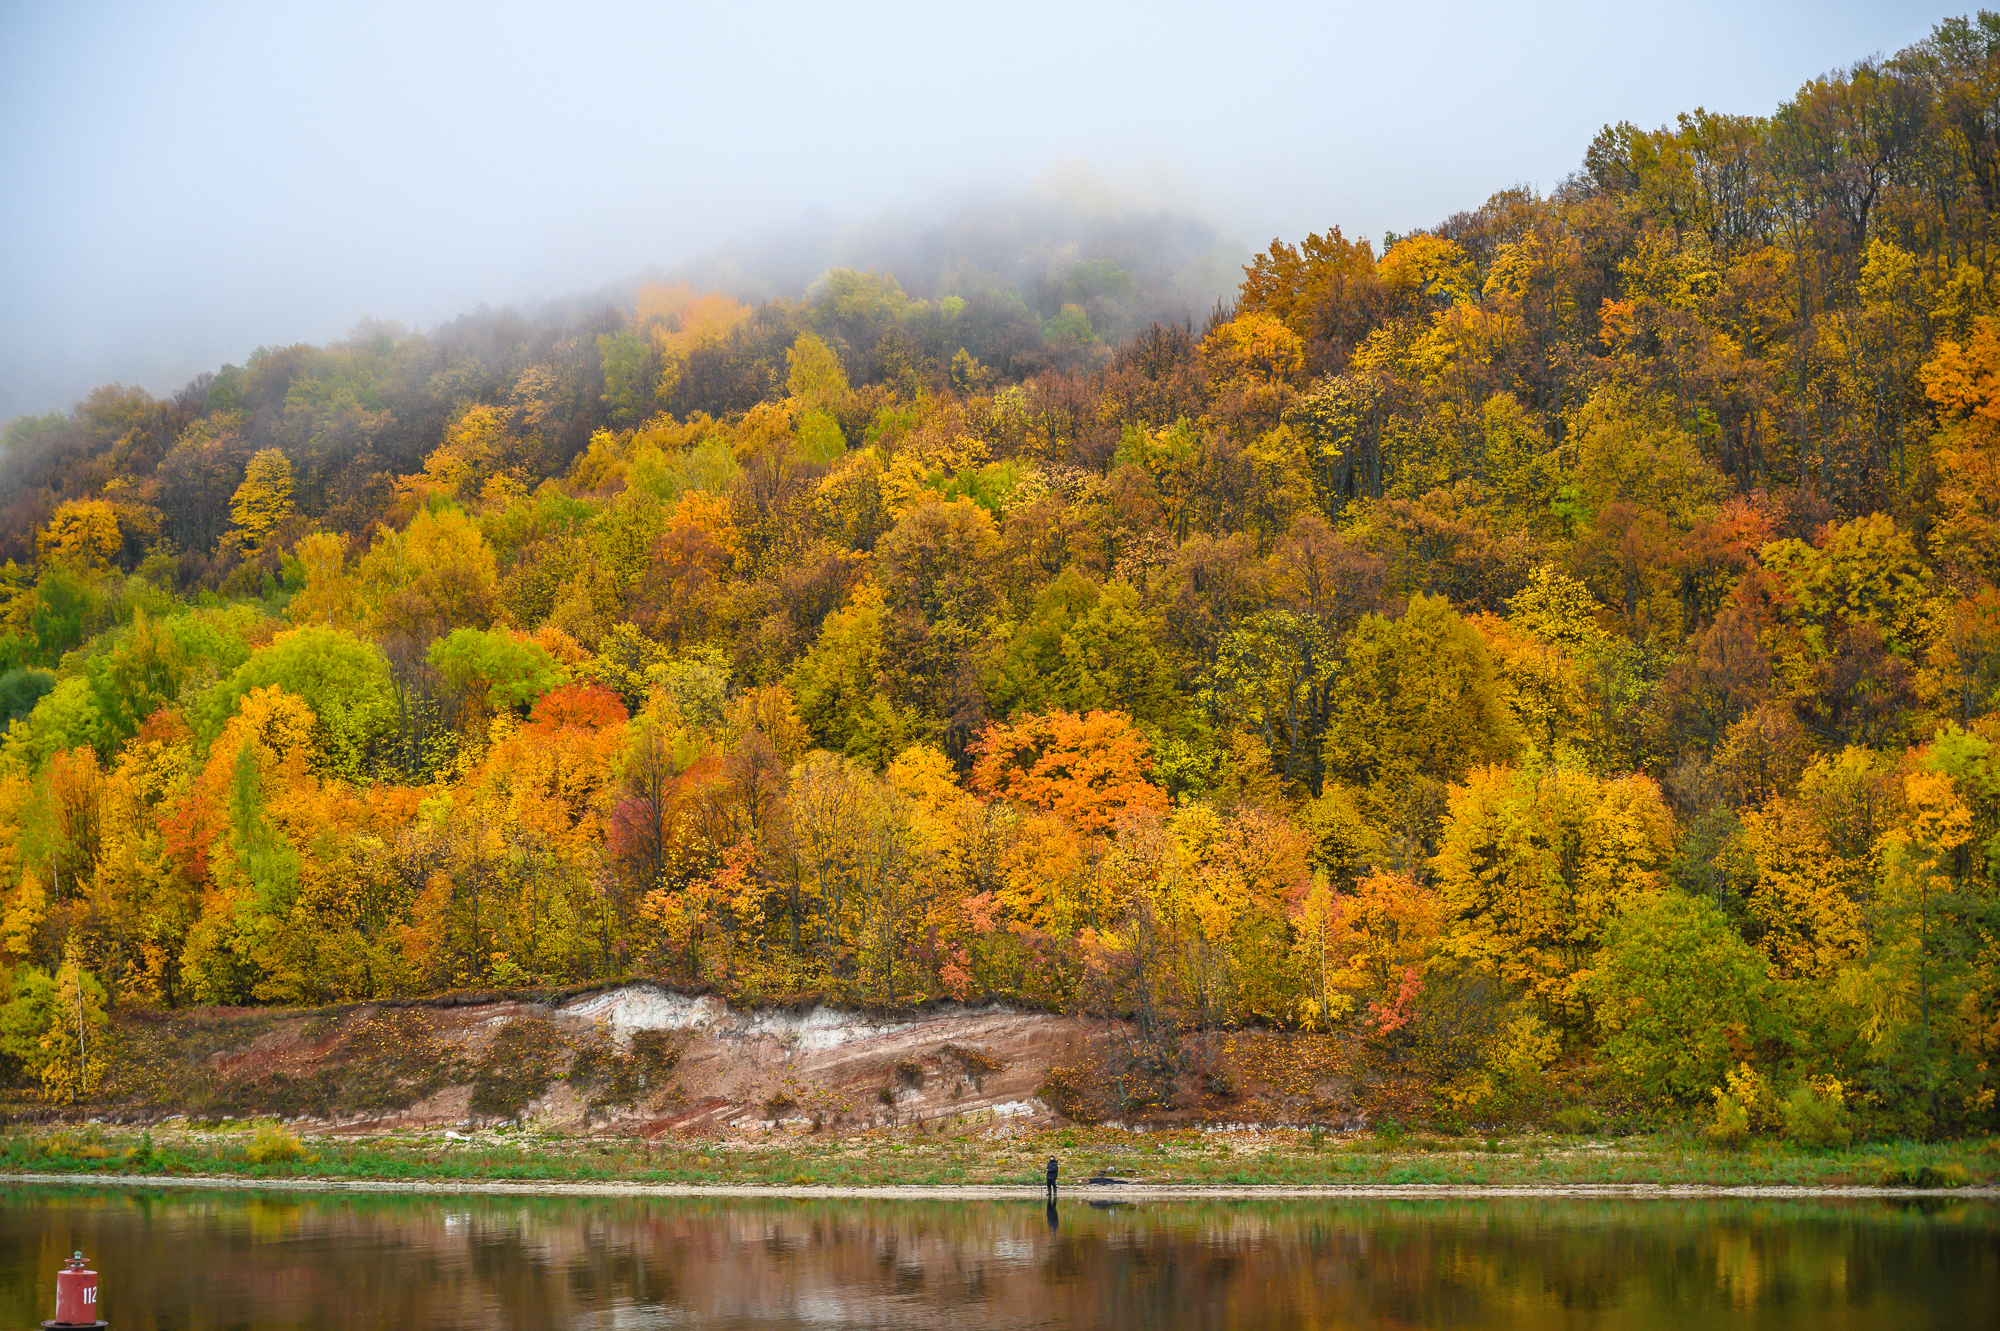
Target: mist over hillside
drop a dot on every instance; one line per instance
(1070, 238)
(243, 175)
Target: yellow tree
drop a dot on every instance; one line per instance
(473, 448)
(263, 502)
(436, 575)
(678, 597)
(1260, 861)
(1963, 379)
(1546, 689)
(1218, 891)
(1913, 991)
(1252, 350)
(1535, 861)
(144, 901)
(1802, 899)
(1193, 911)
(240, 947)
(968, 874)
(814, 377)
(82, 533)
(826, 796)
(1926, 996)
(1313, 955)
(1046, 880)
(682, 320)
(329, 596)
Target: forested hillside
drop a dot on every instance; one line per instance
(1561, 642)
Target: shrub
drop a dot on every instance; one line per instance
(64, 1145)
(272, 1145)
(613, 1078)
(1578, 1120)
(978, 1063)
(1923, 1176)
(1732, 1122)
(1071, 1092)
(1748, 1088)
(1816, 1119)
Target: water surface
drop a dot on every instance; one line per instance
(258, 1261)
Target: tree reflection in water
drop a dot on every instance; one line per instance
(258, 1261)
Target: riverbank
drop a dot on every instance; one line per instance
(996, 1162)
(1084, 1193)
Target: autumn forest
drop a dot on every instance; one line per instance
(1560, 643)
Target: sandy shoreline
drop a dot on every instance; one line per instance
(982, 1192)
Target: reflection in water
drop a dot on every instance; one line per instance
(203, 1260)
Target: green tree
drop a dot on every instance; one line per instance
(1272, 678)
(21, 689)
(54, 1025)
(630, 368)
(246, 945)
(66, 717)
(1086, 649)
(837, 683)
(1416, 704)
(343, 679)
(1679, 994)
(1418, 693)
(495, 668)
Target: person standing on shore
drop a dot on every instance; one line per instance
(1052, 1178)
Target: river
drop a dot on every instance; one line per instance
(205, 1261)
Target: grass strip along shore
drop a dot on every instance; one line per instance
(1096, 1161)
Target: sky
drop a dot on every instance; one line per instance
(180, 184)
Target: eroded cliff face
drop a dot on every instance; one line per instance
(636, 1059)
(642, 1060)
(828, 1067)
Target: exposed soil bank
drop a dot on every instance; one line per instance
(642, 1060)
(1127, 1192)
(634, 1060)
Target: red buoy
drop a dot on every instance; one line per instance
(76, 1297)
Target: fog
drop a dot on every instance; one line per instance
(186, 183)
